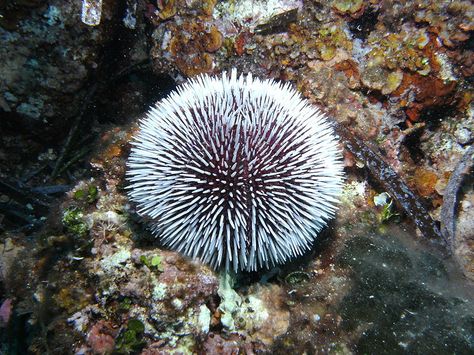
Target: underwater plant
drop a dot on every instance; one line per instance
(240, 172)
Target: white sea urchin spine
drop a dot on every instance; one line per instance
(237, 171)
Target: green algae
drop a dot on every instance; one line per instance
(90, 195)
(297, 277)
(74, 223)
(348, 6)
(153, 262)
(131, 339)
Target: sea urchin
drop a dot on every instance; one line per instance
(237, 171)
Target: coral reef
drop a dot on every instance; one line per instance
(79, 273)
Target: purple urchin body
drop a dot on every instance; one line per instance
(239, 172)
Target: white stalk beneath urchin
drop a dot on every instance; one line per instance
(240, 172)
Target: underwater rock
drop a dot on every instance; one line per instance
(101, 338)
(46, 62)
(100, 281)
(260, 314)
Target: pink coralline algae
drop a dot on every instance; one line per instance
(101, 338)
(5, 312)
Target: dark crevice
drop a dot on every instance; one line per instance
(433, 116)
(365, 24)
(469, 44)
(139, 89)
(412, 143)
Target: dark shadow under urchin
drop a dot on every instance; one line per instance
(321, 247)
